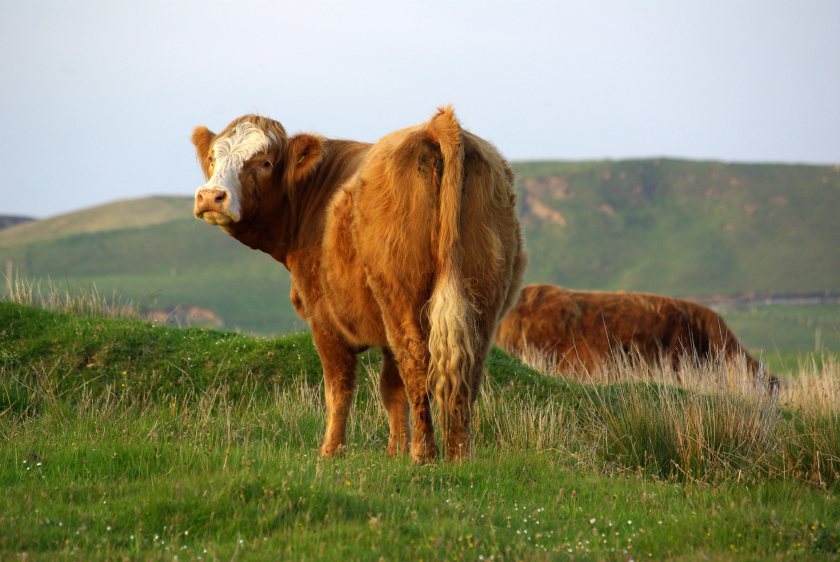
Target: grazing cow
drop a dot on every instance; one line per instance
(580, 329)
(411, 244)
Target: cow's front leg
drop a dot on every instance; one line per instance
(396, 404)
(338, 361)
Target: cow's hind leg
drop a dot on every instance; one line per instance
(458, 433)
(412, 355)
(396, 404)
(338, 361)
(413, 359)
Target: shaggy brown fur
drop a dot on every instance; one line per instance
(411, 244)
(580, 329)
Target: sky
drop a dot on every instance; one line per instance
(98, 98)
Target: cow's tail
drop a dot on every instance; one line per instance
(451, 313)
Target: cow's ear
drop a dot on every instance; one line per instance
(202, 138)
(303, 154)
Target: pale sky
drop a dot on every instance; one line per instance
(98, 98)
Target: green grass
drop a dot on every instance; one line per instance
(123, 440)
(797, 328)
(164, 482)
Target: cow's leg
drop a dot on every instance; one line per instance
(457, 431)
(457, 425)
(338, 361)
(458, 434)
(396, 404)
(412, 355)
(413, 361)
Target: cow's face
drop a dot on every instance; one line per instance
(239, 165)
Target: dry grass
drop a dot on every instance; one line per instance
(708, 421)
(85, 302)
(816, 389)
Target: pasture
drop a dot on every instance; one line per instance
(787, 333)
(120, 439)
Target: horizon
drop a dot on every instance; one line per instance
(153, 195)
(102, 97)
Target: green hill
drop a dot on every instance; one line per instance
(159, 257)
(674, 227)
(683, 228)
(120, 215)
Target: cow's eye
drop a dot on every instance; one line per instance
(266, 165)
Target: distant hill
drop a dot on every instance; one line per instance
(675, 227)
(682, 228)
(120, 215)
(10, 220)
(153, 252)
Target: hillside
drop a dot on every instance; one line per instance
(154, 253)
(120, 215)
(124, 440)
(683, 228)
(675, 227)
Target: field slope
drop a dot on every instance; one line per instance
(119, 439)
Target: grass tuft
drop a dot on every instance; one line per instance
(82, 301)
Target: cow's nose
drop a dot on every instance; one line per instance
(210, 199)
(211, 196)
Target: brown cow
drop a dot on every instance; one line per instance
(580, 329)
(411, 244)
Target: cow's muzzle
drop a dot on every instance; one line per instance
(213, 205)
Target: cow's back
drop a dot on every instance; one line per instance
(581, 329)
(396, 219)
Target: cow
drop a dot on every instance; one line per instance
(410, 244)
(579, 330)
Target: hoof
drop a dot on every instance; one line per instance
(397, 445)
(424, 455)
(329, 451)
(458, 452)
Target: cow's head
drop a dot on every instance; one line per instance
(252, 168)
(240, 165)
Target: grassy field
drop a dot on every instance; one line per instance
(119, 439)
(181, 262)
(787, 336)
(799, 328)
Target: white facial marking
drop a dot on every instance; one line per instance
(230, 154)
